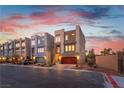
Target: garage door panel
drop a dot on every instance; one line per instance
(69, 60)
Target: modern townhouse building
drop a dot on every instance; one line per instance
(42, 47)
(10, 50)
(1, 49)
(69, 46)
(22, 48)
(6, 52)
(1, 52)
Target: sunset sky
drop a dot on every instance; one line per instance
(103, 26)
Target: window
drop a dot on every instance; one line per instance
(1, 48)
(5, 46)
(42, 39)
(69, 48)
(38, 41)
(57, 39)
(33, 42)
(58, 49)
(73, 47)
(66, 48)
(17, 44)
(73, 34)
(66, 37)
(23, 44)
(40, 50)
(10, 46)
(43, 34)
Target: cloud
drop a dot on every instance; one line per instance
(99, 26)
(16, 17)
(115, 32)
(93, 12)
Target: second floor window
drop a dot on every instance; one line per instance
(57, 39)
(1, 48)
(10, 46)
(69, 48)
(39, 41)
(58, 49)
(40, 50)
(5, 47)
(23, 44)
(33, 42)
(17, 44)
(66, 37)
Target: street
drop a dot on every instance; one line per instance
(28, 77)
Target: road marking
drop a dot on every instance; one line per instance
(113, 82)
(110, 81)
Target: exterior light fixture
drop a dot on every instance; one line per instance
(13, 58)
(77, 57)
(0, 58)
(34, 57)
(4, 58)
(45, 57)
(21, 58)
(60, 57)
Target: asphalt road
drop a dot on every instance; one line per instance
(28, 77)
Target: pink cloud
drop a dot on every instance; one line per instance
(16, 17)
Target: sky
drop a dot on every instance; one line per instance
(102, 25)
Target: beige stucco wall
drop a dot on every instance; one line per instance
(109, 61)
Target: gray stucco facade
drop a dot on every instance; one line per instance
(42, 47)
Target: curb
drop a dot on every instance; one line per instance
(110, 80)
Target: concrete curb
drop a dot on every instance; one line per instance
(110, 82)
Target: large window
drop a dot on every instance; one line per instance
(1, 48)
(69, 48)
(17, 44)
(66, 37)
(57, 39)
(58, 49)
(32, 42)
(40, 50)
(5, 46)
(10, 46)
(39, 41)
(23, 44)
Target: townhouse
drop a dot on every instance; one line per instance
(22, 49)
(69, 46)
(1, 53)
(42, 47)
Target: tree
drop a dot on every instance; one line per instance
(107, 51)
(91, 57)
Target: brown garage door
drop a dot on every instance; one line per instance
(68, 60)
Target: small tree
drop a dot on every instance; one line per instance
(91, 57)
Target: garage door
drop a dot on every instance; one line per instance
(68, 60)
